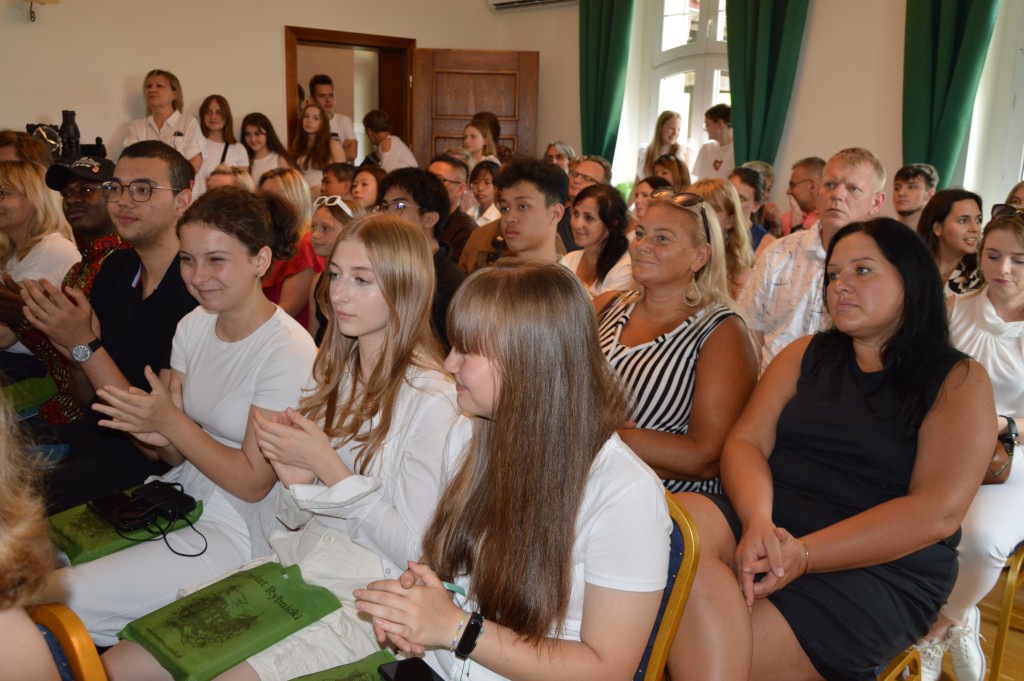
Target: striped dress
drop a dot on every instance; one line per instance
(661, 374)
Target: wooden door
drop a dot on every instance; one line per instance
(449, 86)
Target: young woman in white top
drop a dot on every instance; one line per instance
(599, 228)
(165, 103)
(477, 140)
(664, 141)
(313, 148)
(265, 149)
(35, 239)
(554, 534)
(235, 355)
(987, 324)
(219, 144)
(360, 460)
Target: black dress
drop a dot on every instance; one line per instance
(842, 448)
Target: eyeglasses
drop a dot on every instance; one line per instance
(446, 180)
(393, 207)
(573, 175)
(1002, 210)
(684, 200)
(140, 190)
(87, 191)
(332, 201)
(793, 185)
(7, 191)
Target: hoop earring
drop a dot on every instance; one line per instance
(692, 295)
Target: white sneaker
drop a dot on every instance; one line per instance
(964, 644)
(931, 652)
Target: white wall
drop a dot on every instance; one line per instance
(849, 87)
(91, 55)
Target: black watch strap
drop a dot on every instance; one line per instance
(1011, 437)
(470, 635)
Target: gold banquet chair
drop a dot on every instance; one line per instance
(74, 639)
(1014, 580)
(682, 568)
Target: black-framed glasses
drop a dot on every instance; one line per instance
(1002, 210)
(393, 207)
(85, 191)
(686, 200)
(140, 190)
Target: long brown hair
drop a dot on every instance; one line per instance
(508, 517)
(342, 401)
(312, 152)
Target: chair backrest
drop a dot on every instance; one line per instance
(73, 638)
(682, 567)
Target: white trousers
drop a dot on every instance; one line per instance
(992, 529)
(112, 591)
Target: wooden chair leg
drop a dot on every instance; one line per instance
(1014, 579)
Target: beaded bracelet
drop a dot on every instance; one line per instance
(458, 632)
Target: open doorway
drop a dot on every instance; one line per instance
(369, 71)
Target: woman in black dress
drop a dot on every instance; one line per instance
(847, 477)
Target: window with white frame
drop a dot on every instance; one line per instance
(689, 64)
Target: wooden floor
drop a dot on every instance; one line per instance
(1013, 658)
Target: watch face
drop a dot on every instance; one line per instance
(81, 353)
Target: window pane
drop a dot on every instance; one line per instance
(722, 94)
(720, 27)
(675, 93)
(681, 23)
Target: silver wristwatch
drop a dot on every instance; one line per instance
(82, 353)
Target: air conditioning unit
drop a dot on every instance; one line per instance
(503, 5)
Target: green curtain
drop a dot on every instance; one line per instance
(604, 51)
(944, 52)
(764, 49)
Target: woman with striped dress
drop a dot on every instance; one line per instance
(683, 353)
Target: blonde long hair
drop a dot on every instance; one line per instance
(296, 191)
(721, 195)
(26, 553)
(652, 153)
(342, 401)
(48, 214)
(509, 515)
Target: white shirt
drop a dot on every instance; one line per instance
(619, 277)
(237, 156)
(341, 128)
(400, 156)
(783, 298)
(181, 132)
(49, 259)
(622, 542)
(714, 160)
(387, 509)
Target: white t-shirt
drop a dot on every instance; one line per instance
(619, 277)
(341, 128)
(213, 151)
(714, 160)
(49, 259)
(400, 156)
(268, 369)
(262, 165)
(622, 541)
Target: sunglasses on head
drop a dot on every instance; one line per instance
(1002, 210)
(686, 200)
(333, 201)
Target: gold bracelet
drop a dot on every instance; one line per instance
(807, 556)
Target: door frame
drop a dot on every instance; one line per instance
(394, 71)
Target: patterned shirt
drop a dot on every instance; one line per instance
(61, 408)
(783, 298)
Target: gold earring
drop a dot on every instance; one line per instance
(692, 295)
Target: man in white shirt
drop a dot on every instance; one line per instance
(783, 298)
(321, 89)
(716, 158)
